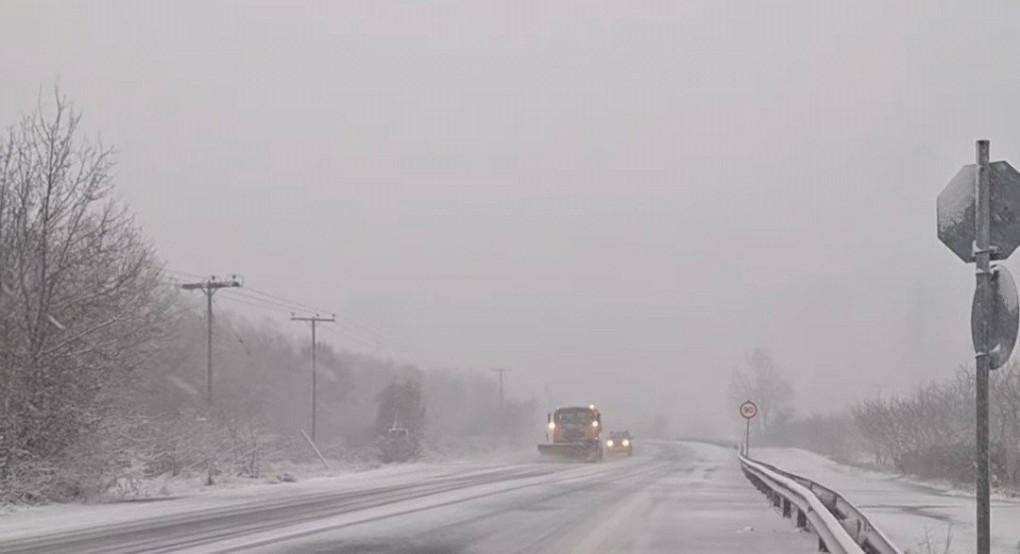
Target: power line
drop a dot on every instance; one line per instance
(347, 339)
(369, 341)
(371, 338)
(376, 339)
(377, 335)
(233, 334)
(305, 307)
(279, 306)
(354, 331)
(184, 273)
(254, 305)
(294, 306)
(353, 339)
(300, 307)
(268, 303)
(281, 299)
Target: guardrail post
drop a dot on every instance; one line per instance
(801, 519)
(786, 508)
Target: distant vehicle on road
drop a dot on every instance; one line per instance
(574, 433)
(620, 442)
(398, 445)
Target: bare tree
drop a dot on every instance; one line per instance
(929, 433)
(80, 297)
(761, 381)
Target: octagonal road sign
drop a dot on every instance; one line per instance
(956, 211)
(748, 410)
(1003, 319)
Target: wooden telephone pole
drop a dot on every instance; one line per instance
(313, 320)
(209, 287)
(500, 371)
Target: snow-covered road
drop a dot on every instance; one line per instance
(915, 516)
(670, 497)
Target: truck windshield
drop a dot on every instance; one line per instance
(575, 417)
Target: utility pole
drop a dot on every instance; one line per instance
(209, 287)
(313, 319)
(500, 372)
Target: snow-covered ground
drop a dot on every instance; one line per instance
(231, 494)
(192, 482)
(914, 515)
(670, 497)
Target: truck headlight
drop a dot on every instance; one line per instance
(626, 442)
(595, 423)
(609, 443)
(552, 426)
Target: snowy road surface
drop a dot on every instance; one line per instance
(912, 515)
(670, 497)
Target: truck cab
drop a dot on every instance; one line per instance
(574, 432)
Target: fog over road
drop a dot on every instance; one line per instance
(669, 497)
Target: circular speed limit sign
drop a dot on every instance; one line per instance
(748, 410)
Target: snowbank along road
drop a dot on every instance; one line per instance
(670, 497)
(915, 516)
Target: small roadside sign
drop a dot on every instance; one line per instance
(1002, 317)
(747, 411)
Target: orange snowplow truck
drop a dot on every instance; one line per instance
(573, 433)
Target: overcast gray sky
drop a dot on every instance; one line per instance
(617, 198)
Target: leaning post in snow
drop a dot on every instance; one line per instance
(316, 449)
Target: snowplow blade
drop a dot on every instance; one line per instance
(569, 451)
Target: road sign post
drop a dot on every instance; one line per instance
(747, 411)
(982, 258)
(979, 220)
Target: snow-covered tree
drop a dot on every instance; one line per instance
(80, 293)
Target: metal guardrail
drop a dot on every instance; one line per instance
(841, 527)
